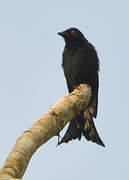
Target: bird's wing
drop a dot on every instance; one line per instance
(93, 106)
(70, 85)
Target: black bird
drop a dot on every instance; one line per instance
(81, 65)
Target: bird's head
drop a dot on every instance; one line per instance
(73, 37)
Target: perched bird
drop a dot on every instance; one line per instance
(81, 65)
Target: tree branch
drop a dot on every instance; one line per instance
(49, 125)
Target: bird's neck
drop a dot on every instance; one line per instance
(76, 44)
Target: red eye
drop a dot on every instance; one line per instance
(73, 32)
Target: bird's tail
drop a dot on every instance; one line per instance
(74, 131)
(90, 131)
(82, 126)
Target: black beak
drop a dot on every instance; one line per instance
(63, 34)
(60, 33)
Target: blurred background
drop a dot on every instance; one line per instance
(31, 80)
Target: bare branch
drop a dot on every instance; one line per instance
(49, 125)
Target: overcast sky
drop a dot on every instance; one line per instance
(31, 80)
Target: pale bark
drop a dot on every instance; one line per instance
(49, 125)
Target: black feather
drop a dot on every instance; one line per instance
(81, 65)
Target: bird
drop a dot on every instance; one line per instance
(80, 64)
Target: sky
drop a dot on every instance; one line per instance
(31, 80)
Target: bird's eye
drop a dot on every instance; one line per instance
(73, 32)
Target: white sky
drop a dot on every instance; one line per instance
(31, 79)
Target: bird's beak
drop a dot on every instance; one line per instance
(63, 34)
